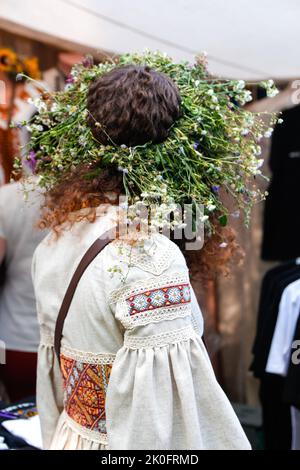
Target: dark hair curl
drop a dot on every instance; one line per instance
(132, 105)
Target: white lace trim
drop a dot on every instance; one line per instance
(157, 315)
(87, 357)
(154, 258)
(86, 433)
(162, 339)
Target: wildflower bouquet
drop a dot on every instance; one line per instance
(214, 145)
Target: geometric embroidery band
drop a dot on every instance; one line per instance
(158, 298)
(85, 387)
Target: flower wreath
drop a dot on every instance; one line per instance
(214, 145)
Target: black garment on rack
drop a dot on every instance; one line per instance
(281, 221)
(276, 413)
(291, 393)
(277, 424)
(273, 285)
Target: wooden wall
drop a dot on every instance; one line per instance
(46, 54)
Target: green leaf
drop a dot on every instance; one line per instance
(223, 220)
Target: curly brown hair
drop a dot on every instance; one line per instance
(129, 105)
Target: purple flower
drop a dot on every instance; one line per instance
(70, 79)
(30, 161)
(18, 125)
(87, 62)
(215, 188)
(19, 77)
(196, 145)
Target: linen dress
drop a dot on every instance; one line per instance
(134, 372)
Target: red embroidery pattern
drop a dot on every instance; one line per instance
(158, 298)
(85, 388)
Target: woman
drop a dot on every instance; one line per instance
(133, 373)
(19, 330)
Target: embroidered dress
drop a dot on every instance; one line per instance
(134, 372)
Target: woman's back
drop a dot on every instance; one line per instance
(134, 370)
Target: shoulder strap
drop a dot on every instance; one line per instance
(89, 256)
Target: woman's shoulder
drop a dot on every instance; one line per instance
(126, 264)
(154, 254)
(154, 265)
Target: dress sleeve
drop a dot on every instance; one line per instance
(49, 392)
(2, 215)
(162, 392)
(197, 318)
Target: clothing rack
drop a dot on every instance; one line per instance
(274, 364)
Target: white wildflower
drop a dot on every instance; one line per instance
(239, 85)
(268, 132)
(235, 214)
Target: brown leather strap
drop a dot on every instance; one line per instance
(91, 254)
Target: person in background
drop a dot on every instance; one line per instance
(18, 320)
(1, 175)
(285, 99)
(280, 226)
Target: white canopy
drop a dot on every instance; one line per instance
(243, 39)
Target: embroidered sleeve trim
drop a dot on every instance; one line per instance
(160, 340)
(153, 300)
(85, 386)
(158, 298)
(150, 283)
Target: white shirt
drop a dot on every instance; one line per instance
(289, 307)
(18, 321)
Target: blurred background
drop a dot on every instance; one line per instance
(248, 40)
